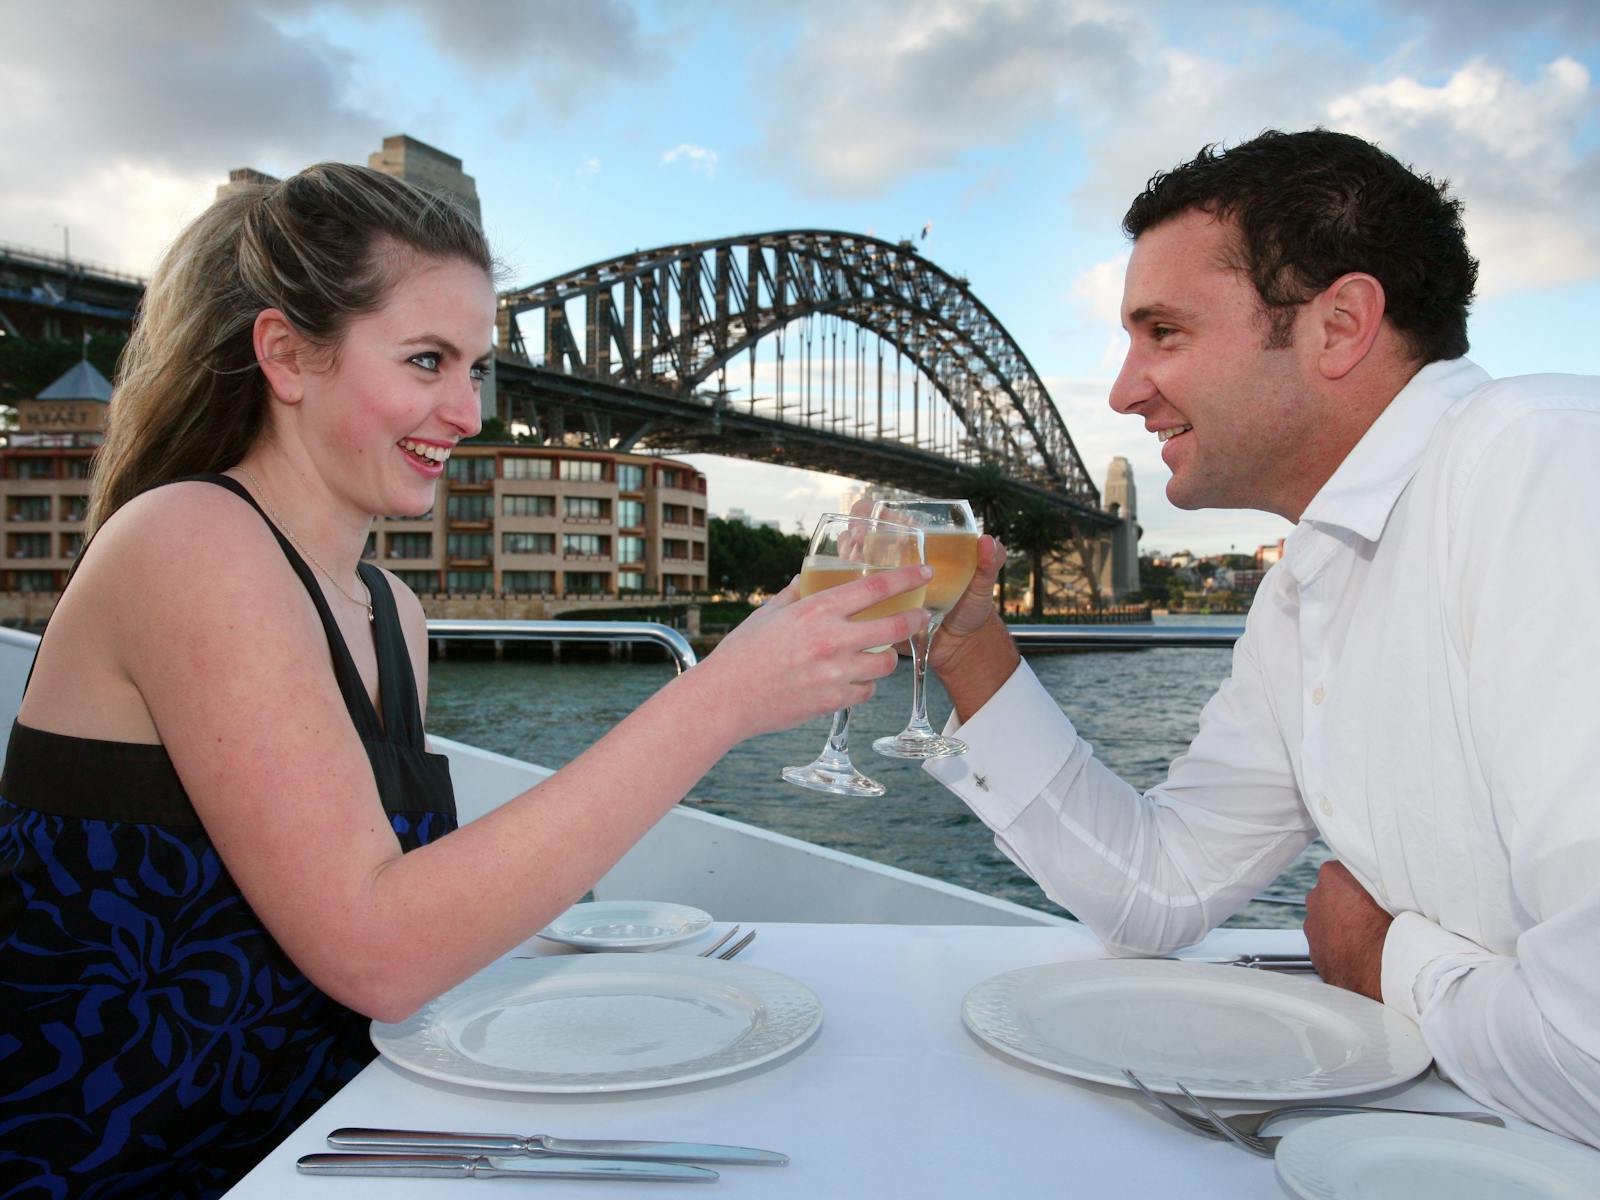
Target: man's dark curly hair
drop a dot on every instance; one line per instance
(1313, 206)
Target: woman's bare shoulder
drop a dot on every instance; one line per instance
(182, 550)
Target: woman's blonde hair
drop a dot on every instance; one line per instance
(189, 396)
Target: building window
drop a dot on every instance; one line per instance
(591, 470)
(424, 583)
(33, 468)
(370, 550)
(630, 550)
(470, 545)
(675, 548)
(630, 514)
(36, 581)
(470, 470)
(30, 545)
(469, 582)
(671, 477)
(589, 545)
(77, 468)
(630, 581)
(469, 508)
(528, 543)
(527, 583)
(586, 583)
(528, 468)
(590, 508)
(410, 545)
(698, 550)
(675, 514)
(699, 515)
(74, 508)
(630, 477)
(528, 506)
(71, 544)
(29, 508)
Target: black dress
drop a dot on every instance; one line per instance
(154, 1039)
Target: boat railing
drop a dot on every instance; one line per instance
(613, 632)
(1124, 637)
(1028, 637)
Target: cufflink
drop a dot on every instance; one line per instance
(983, 784)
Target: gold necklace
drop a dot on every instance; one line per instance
(289, 533)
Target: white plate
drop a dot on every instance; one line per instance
(603, 1023)
(1223, 1031)
(626, 925)
(1395, 1156)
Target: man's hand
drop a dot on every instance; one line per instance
(972, 653)
(1345, 929)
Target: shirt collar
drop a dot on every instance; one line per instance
(1361, 492)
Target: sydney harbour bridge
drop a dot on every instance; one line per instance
(826, 350)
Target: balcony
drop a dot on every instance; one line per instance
(484, 562)
(470, 523)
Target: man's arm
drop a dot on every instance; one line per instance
(1147, 873)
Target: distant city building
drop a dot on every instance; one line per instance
(1269, 554)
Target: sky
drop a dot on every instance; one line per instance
(1015, 131)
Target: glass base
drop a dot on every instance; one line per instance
(907, 745)
(841, 780)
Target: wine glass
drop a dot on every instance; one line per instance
(950, 544)
(843, 549)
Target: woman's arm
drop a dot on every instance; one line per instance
(226, 649)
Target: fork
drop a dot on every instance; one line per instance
(1244, 1129)
(738, 946)
(719, 943)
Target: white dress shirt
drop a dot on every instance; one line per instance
(1417, 684)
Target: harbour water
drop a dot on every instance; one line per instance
(1139, 708)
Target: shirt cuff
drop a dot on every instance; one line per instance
(1411, 946)
(1016, 744)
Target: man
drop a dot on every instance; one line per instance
(1415, 683)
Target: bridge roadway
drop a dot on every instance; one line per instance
(623, 417)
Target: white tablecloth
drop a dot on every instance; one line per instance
(892, 1098)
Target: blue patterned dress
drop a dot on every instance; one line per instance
(154, 1039)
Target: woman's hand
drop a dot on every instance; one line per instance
(794, 659)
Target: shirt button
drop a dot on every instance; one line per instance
(1326, 806)
(1316, 696)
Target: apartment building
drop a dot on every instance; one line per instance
(560, 523)
(511, 521)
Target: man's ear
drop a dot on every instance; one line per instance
(280, 352)
(1350, 317)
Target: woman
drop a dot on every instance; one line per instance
(222, 840)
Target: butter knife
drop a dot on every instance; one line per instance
(543, 1145)
(483, 1166)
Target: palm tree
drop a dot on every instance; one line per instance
(988, 489)
(1038, 528)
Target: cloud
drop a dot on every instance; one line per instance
(120, 119)
(1507, 146)
(590, 165)
(561, 50)
(698, 157)
(879, 90)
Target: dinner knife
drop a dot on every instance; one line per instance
(543, 1145)
(483, 1166)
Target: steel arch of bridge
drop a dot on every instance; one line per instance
(663, 322)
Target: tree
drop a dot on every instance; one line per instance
(747, 559)
(987, 489)
(1037, 528)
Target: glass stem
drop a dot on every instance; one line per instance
(920, 644)
(835, 755)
